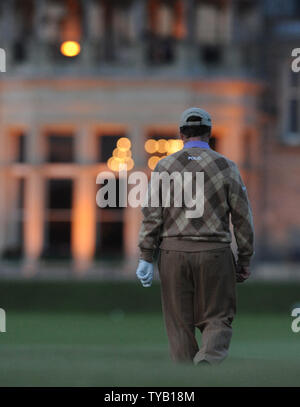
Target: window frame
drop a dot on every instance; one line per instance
(286, 96)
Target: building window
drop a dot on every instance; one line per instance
(23, 30)
(280, 9)
(115, 150)
(60, 148)
(15, 247)
(109, 227)
(106, 146)
(21, 148)
(109, 239)
(59, 194)
(247, 21)
(165, 27)
(59, 21)
(294, 79)
(18, 146)
(58, 218)
(293, 125)
(212, 30)
(119, 30)
(111, 29)
(290, 107)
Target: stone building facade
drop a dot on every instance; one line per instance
(141, 64)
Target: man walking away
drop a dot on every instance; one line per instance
(198, 271)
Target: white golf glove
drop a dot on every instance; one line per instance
(145, 273)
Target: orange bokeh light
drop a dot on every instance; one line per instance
(70, 48)
(162, 146)
(123, 144)
(121, 154)
(153, 161)
(151, 146)
(174, 145)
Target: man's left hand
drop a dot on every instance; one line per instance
(242, 274)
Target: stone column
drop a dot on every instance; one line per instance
(84, 204)
(231, 142)
(34, 198)
(132, 216)
(34, 217)
(84, 221)
(137, 137)
(132, 222)
(138, 10)
(85, 145)
(35, 145)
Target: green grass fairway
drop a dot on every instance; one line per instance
(116, 349)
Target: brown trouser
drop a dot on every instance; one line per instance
(198, 290)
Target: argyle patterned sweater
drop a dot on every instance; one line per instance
(224, 195)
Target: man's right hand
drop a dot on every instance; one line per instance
(242, 274)
(145, 273)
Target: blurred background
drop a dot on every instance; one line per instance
(90, 84)
(80, 75)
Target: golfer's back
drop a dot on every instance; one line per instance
(197, 269)
(224, 193)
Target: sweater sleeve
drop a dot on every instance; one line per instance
(241, 217)
(151, 223)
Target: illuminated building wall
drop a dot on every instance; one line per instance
(57, 146)
(91, 84)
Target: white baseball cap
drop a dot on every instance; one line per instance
(204, 117)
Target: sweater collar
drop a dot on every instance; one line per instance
(196, 143)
